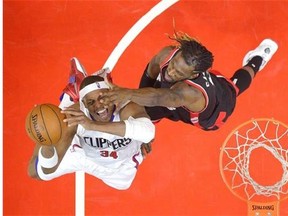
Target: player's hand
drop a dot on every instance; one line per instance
(146, 148)
(75, 117)
(116, 95)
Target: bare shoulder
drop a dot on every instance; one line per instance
(192, 98)
(154, 65)
(164, 52)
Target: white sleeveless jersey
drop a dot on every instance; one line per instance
(106, 149)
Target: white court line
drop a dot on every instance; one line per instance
(111, 62)
(80, 193)
(135, 30)
(1, 109)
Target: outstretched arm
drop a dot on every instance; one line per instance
(181, 94)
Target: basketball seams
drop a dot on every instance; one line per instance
(30, 126)
(44, 124)
(43, 120)
(58, 118)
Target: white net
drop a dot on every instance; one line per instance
(265, 134)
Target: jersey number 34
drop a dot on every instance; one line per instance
(112, 154)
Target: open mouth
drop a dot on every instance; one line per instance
(103, 113)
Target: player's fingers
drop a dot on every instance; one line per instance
(120, 105)
(72, 112)
(108, 99)
(76, 117)
(106, 106)
(102, 72)
(104, 99)
(74, 120)
(71, 108)
(147, 148)
(110, 84)
(143, 151)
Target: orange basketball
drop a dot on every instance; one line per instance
(44, 124)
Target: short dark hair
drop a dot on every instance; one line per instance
(90, 79)
(193, 52)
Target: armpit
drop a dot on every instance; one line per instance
(195, 98)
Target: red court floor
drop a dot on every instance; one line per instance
(181, 176)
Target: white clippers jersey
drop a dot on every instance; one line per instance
(106, 149)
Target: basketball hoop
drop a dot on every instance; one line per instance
(254, 165)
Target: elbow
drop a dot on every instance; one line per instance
(32, 173)
(141, 129)
(149, 132)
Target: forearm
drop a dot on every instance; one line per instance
(116, 128)
(141, 129)
(155, 97)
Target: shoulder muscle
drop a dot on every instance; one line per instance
(191, 97)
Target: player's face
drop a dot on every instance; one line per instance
(95, 108)
(178, 69)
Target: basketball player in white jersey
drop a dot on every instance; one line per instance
(98, 141)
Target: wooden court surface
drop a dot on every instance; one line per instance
(181, 176)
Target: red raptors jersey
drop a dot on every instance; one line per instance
(219, 92)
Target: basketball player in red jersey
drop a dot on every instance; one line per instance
(178, 84)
